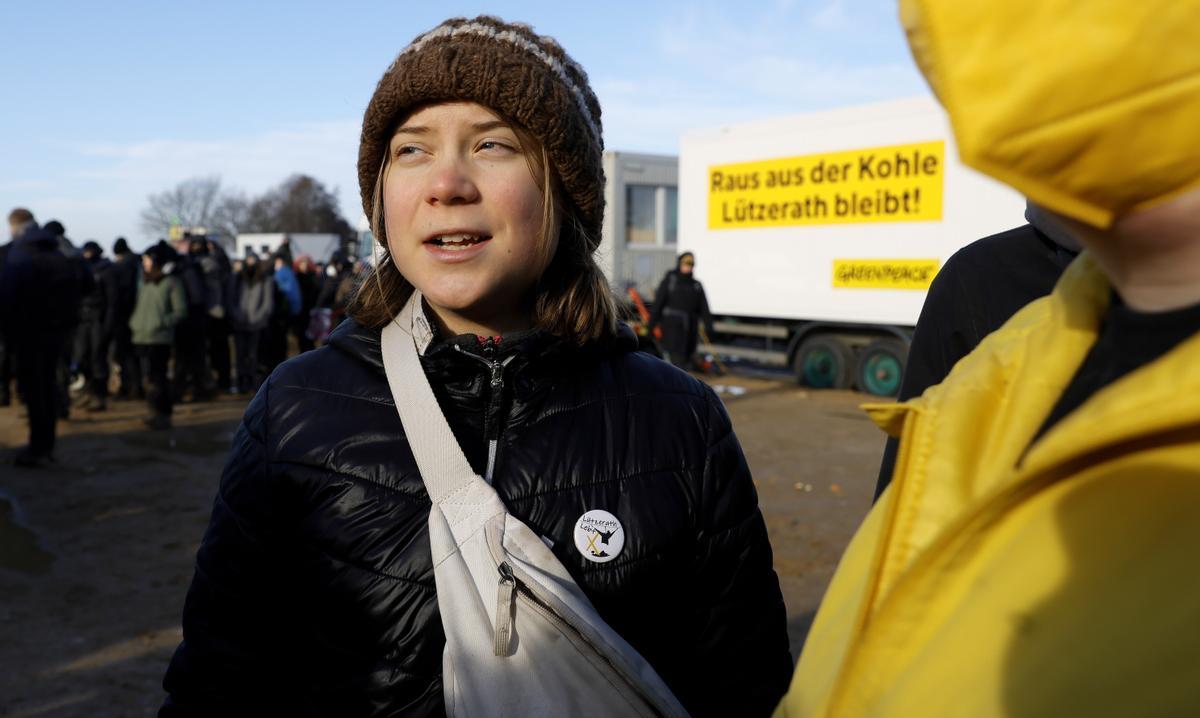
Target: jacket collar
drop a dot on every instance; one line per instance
(1153, 399)
(1033, 358)
(540, 352)
(967, 457)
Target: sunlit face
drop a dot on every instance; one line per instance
(463, 213)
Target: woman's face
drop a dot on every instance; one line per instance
(463, 214)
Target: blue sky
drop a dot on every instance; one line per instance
(106, 103)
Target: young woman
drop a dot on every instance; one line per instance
(161, 306)
(480, 168)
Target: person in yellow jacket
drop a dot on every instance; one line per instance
(1035, 552)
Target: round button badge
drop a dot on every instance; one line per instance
(599, 536)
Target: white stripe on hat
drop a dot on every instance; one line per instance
(475, 28)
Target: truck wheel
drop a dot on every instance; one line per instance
(881, 367)
(824, 362)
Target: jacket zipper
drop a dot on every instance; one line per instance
(491, 421)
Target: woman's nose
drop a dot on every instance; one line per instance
(450, 182)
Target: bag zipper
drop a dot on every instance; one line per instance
(506, 609)
(511, 588)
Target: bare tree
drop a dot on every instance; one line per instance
(195, 202)
(299, 204)
(231, 215)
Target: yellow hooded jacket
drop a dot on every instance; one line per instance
(1000, 578)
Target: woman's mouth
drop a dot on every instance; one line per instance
(457, 247)
(458, 242)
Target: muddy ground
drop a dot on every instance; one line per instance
(96, 552)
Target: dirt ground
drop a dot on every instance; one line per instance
(96, 552)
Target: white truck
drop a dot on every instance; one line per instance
(318, 246)
(817, 235)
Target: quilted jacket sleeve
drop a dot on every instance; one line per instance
(741, 659)
(233, 658)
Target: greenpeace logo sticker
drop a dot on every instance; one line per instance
(884, 273)
(599, 536)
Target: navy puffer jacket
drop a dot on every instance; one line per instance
(314, 591)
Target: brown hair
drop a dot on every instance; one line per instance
(20, 215)
(571, 300)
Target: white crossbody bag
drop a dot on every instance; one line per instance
(522, 639)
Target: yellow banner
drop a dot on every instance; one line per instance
(884, 273)
(900, 183)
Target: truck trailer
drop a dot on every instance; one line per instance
(817, 235)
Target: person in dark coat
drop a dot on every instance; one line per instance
(338, 287)
(201, 282)
(218, 270)
(309, 282)
(251, 304)
(980, 287)
(680, 307)
(97, 320)
(314, 591)
(7, 374)
(127, 268)
(64, 371)
(40, 292)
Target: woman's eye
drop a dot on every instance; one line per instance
(404, 150)
(495, 146)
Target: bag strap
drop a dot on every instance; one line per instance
(443, 466)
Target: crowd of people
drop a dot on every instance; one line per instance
(181, 321)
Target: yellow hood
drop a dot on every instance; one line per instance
(1091, 108)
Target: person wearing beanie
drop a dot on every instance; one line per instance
(66, 246)
(1034, 554)
(160, 306)
(97, 323)
(681, 310)
(64, 370)
(127, 268)
(202, 285)
(314, 592)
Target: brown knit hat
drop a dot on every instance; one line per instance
(525, 77)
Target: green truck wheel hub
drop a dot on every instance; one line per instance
(820, 368)
(881, 374)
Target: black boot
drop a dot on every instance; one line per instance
(158, 422)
